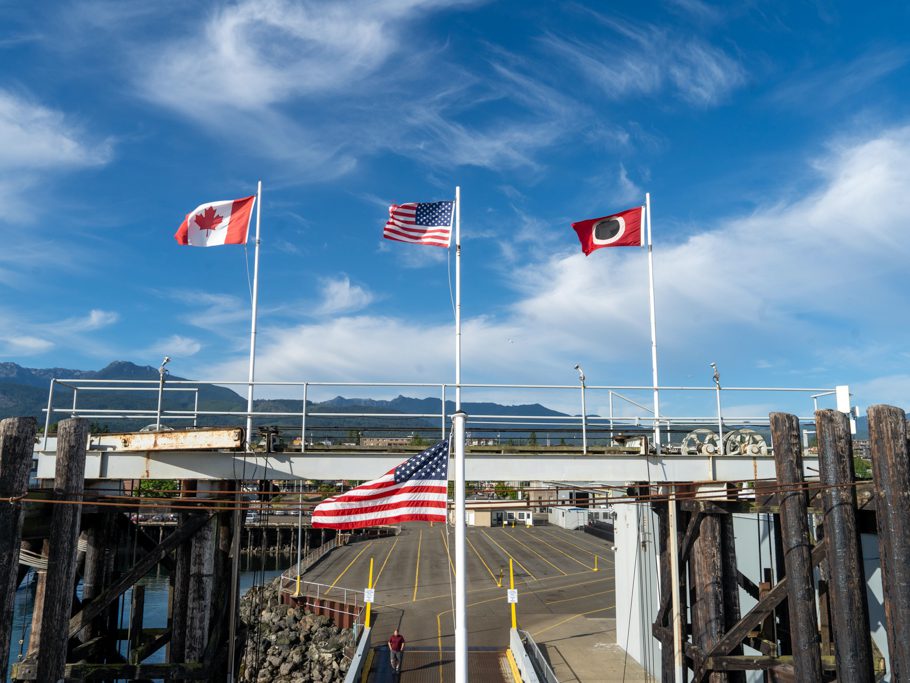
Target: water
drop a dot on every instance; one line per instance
(256, 571)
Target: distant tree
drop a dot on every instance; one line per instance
(504, 491)
(159, 488)
(98, 428)
(862, 467)
(532, 439)
(417, 440)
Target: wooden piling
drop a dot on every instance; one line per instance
(137, 612)
(72, 439)
(708, 619)
(180, 585)
(849, 611)
(891, 471)
(17, 438)
(797, 547)
(199, 590)
(667, 668)
(100, 555)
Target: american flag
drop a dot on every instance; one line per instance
(428, 223)
(415, 491)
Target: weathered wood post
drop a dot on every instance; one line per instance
(716, 605)
(667, 669)
(891, 470)
(69, 481)
(847, 585)
(100, 555)
(797, 546)
(17, 443)
(200, 591)
(179, 597)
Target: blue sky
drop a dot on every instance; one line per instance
(773, 137)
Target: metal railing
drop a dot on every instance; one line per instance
(634, 416)
(541, 666)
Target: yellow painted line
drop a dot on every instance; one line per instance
(577, 597)
(516, 677)
(385, 561)
(417, 572)
(509, 555)
(439, 643)
(592, 548)
(365, 672)
(345, 571)
(514, 538)
(536, 634)
(492, 575)
(574, 559)
(445, 542)
(471, 591)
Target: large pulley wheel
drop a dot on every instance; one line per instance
(700, 442)
(745, 442)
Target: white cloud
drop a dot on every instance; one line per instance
(27, 336)
(37, 142)
(176, 346)
(340, 296)
(94, 320)
(25, 345)
(34, 137)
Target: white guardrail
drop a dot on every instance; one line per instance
(626, 408)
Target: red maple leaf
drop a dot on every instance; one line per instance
(208, 219)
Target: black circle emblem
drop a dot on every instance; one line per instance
(608, 230)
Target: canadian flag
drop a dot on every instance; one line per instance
(217, 223)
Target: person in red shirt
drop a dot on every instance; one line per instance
(396, 648)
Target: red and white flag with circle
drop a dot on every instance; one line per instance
(217, 223)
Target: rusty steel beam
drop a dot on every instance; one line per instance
(797, 547)
(847, 585)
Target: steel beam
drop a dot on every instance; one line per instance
(479, 466)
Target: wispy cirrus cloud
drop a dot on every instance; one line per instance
(25, 335)
(649, 59)
(825, 87)
(176, 346)
(39, 142)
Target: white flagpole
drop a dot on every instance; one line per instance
(653, 327)
(235, 541)
(461, 609)
(249, 389)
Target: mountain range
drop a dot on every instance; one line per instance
(24, 392)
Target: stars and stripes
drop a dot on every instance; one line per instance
(421, 223)
(415, 490)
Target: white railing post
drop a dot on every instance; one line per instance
(50, 408)
(303, 420)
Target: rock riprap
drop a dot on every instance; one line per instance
(286, 645)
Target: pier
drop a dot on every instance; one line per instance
(713, 567)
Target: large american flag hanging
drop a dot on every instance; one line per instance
(415, 491)
(428, 223)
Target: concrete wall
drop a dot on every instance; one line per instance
(637, 584)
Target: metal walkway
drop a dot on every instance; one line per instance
(429, 665)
